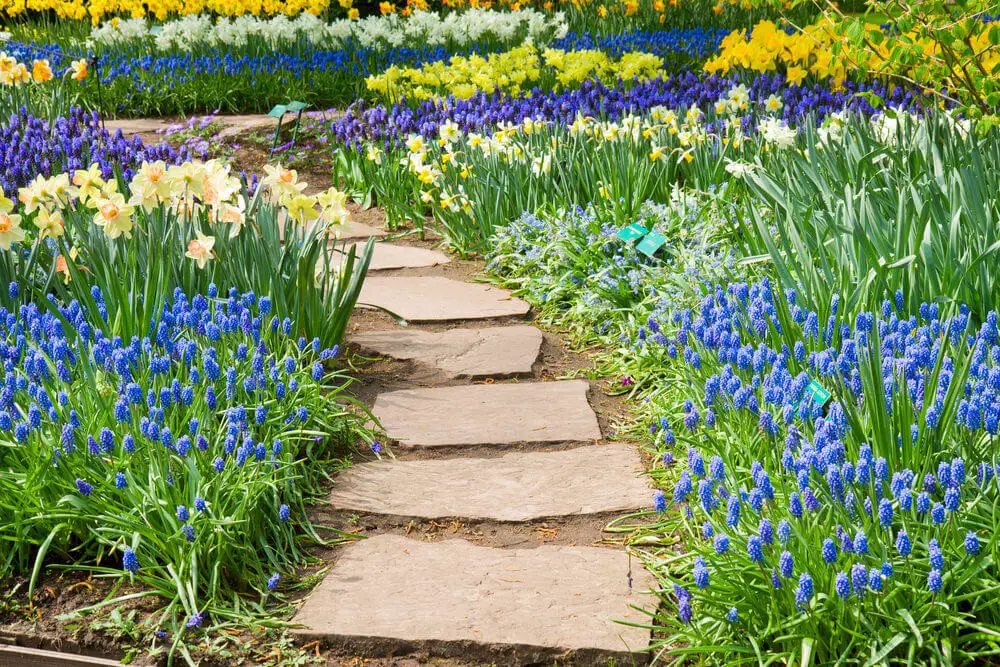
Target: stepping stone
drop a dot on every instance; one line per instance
(460, 352)
(515, 487)
(390, 594)
(387, 256)
(489, 414)
(437, 299)
(358, 230)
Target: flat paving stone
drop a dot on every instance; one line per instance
(391, 594)
(358, 230)
(387, 256)
(489, 414)
(232, 124)
(460, 352)
(438, 299)
(514, 487)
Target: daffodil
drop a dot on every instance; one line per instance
(49, 223)
(78, 69)
(114, 215)
(302, 208)
(200, 249)
(10, 229)
(89, 182)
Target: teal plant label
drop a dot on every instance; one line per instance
(278, 111)
(632, 232)
(295, 105)
(649, 245)
(819, 393)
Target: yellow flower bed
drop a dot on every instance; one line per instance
(514, 72)
(811, 52)
(769, 49)
(97, 10)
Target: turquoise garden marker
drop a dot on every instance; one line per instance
(279, 111)
(632, 232)
(650, 243)
(819, 393)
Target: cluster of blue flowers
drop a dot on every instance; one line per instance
(31, 146)
(389, 126)
(143, 74)
(834, 509)
(203, 404)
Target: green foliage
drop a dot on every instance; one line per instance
(895, 205)
(942, 46)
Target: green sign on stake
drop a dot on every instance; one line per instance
(279, 111)
(820, 395)
(632, 232)
(649, 245)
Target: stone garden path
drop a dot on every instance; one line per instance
(473, 446)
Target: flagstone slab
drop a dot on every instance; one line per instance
(358, 230)
(489, 414)
(514, 487)
(391, 594)
(439, 299)
(460, 352)
(387, 256)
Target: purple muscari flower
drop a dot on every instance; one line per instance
(721, 543)
(284, 514)
(784, 531)
(937, 514)
(83, 487)
(934, 581)
(952, 499)
(195, 620)
(842, 585)
(859, 579)
(272, 583)
(733, 511)
(120, 481)
(701, 578)
(923, 503)
(786, 564)
(659, 502)
(934, 554)
(199, 504)
(860, 543)
(903, 544)
(971, 543)
(804, 592)
(885, 512)
(733, 616)
(829, 551)
(795, 505)
(129, 561)
(755, 549)
(766, 531)
(875, 580)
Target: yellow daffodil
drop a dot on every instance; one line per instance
(78, 69)
(200, 249)
(41, 71)
(114, 215)
(10, 229)
(49, 223)
(89, 182)
(302, 208)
